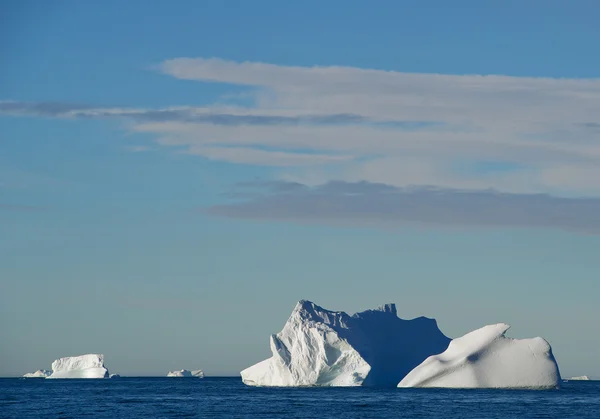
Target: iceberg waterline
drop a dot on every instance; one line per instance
(318, 347)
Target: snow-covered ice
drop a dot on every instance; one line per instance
(38, 374)
(186, 373)
(83, 366)
(486, 358)
(318, 347)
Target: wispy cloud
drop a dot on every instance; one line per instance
(253, 156)
(225, 117)
(317, 124)
(374, 204)
(137, 148)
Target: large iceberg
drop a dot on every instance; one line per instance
(186, 373)
(318, 347)
(486, 358)
(84, 366)
(38, 374)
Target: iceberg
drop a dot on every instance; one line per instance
(38, 374)
(580, 378)
(83, 366)
(486, 358)
(114, 376)
(186, 373)
(319, 347)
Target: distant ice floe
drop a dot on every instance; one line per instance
(38, 374)
(579, 378)
(485, 358)
(83, 366)
(186, 373)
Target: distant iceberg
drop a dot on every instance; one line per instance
(486, 358)
(84, 366)
(580, 378)
(38, 374)
(114, 376)
(186, 373)
(318, 347)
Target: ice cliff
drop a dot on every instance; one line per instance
(186, 373)
(486, 358)
(331, 348)
(38, 374)
(84, 366)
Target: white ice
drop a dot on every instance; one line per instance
(486, 358)
(579, 378)
(186, 373)
(318, 347)
(38, 374)
(83, 366)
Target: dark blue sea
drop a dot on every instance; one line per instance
(229, 398)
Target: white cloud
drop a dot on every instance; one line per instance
(546, 128)
(246, 155)
(321, 123)
(492, 99)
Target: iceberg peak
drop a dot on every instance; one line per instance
(389, 308)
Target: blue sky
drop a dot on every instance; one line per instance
(174, 176)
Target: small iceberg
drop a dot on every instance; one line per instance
(186, 373)
(38, 374)
(579, 378)
(83, 366)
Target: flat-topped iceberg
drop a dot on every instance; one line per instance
(84, 366)
(38, 374)
(486, 358)
(580, 378)
(186, 373)
(318, 347)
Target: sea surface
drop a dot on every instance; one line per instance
(229, 398)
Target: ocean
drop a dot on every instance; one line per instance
(227, 397)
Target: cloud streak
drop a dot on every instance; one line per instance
(375, 204)
(237, 117)
(315, 124)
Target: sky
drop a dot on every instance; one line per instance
(175, 176)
